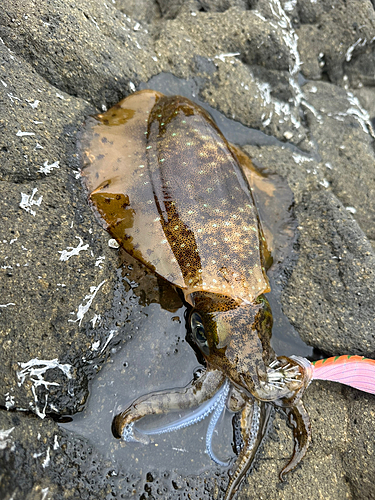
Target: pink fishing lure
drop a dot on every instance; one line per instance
(356, 371)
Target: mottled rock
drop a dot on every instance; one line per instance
(64, 308)
(336, 39)
(52, 251)
(333, 308)
(86, 49)
(39, 460)
(252, 54)
(358, 459)
(143, 11)
(341, 127)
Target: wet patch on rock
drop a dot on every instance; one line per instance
(39, 460)
(58, 61)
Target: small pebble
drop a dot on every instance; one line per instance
(112, 243)
(288, 135)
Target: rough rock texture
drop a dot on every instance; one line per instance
(336, 39)
(89, 49)
(301, 73)
(59, 465)
(337, 274)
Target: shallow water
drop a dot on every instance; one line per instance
(159, 357)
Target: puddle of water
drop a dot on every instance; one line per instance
(159, 357)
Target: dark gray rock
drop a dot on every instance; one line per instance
(213, 34)
(242, 58)
(336, 39)
(44, 281)
(359, 458)
(143, 11)
(171, 9)
(39, 460)
(341, 127)
(87, 49)
(39, 123)
(39, 208)
(223, 5)
(330, 295)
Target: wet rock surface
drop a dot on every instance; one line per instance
(299, 72)
(42, 461)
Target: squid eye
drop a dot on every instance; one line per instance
(198, 333)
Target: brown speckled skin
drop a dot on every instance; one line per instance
(174, 195)
(171, 190)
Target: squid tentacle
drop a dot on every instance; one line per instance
(217, 402)
(220, 407)
(300, 421)
(254, 423)
(196, 393)
(216, 405)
